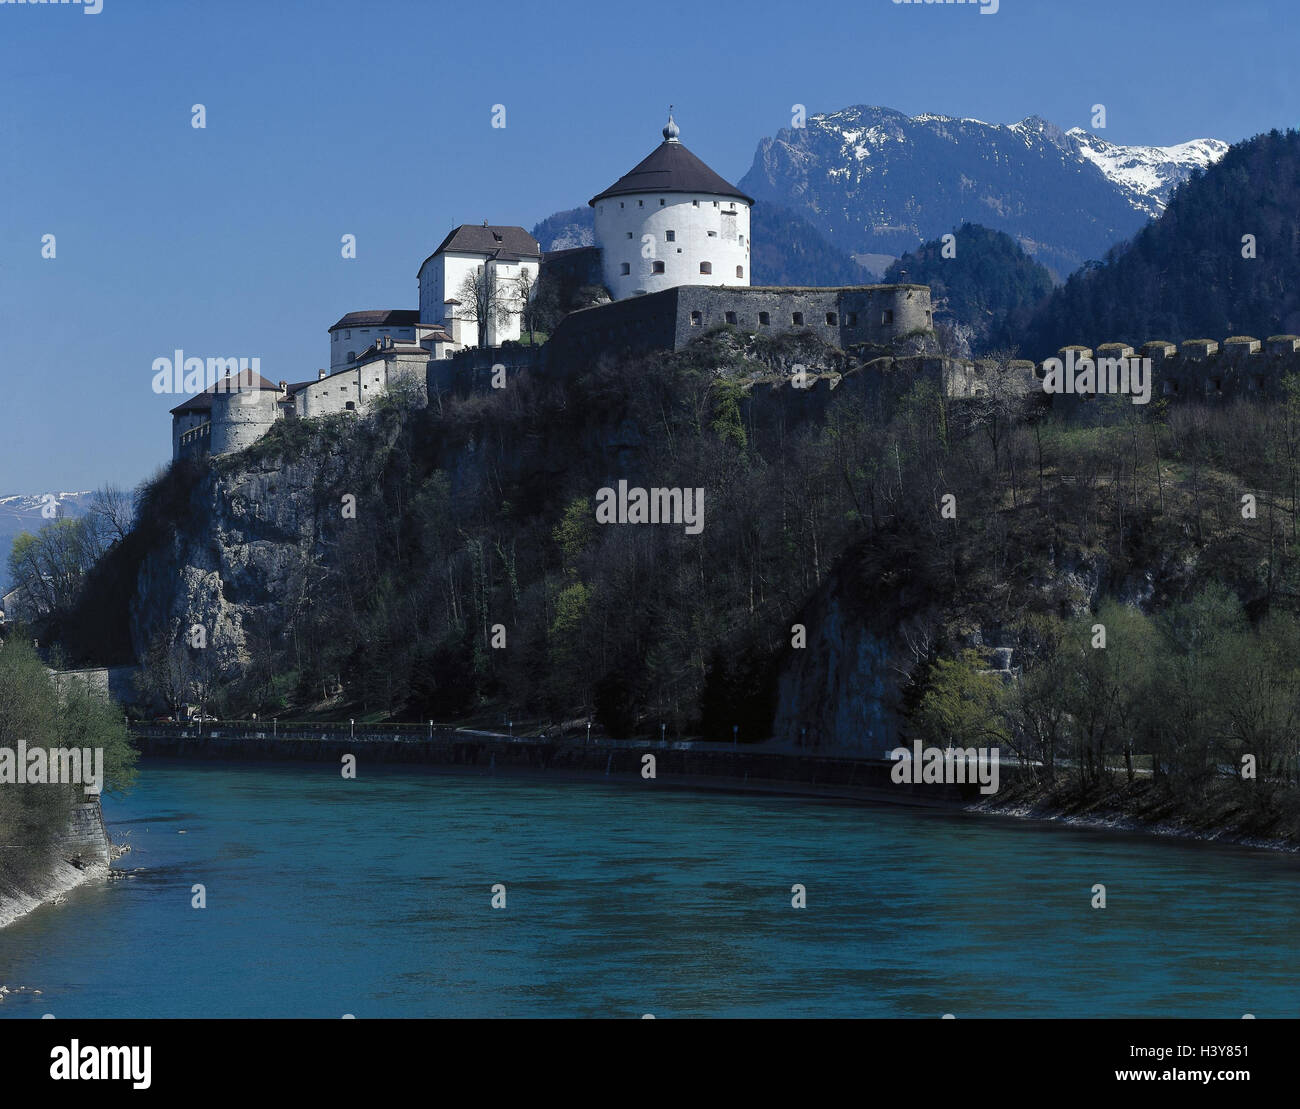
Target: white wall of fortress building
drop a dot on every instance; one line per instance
(354, 340)
(360, 386)
(441, 279)
(240, 419)
(705, 229)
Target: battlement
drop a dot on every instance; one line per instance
(1200, 369)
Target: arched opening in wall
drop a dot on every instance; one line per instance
(657, 267)
(706, 267)
(740, 271)
(625, 268)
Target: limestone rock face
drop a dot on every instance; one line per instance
(257, 528)
(840, 692)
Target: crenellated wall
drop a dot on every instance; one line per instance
(1208, 370)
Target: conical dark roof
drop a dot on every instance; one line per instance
(671, 168)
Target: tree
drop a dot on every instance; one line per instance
(526, 299)
(486, 300)
(963, 704)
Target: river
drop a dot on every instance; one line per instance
(373, 897)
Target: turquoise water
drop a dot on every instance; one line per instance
(373, 897)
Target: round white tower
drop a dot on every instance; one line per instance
(672, 221)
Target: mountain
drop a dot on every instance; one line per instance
(21, 512)
(788, 250)
(1184, 275)
(1149, 174)
(566, 230)
(988, 284)
(872, 180)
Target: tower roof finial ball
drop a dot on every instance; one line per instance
(671, 131)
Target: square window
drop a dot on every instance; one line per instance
(696, 319)
(731, 317)
(629, 234)
(797, 319)
(670, 236)
(661, 202)
(853, 319)
(831, 319)
(625, 269)
(657, 267)
(764, 318)
(887, 317)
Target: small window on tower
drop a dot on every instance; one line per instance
(657, 267)
(696, 203)
(626, 268)
(764, 318)
(670, 236)
(731, 317)
(887, 317)
(853, 319)
(696, 319)
(797, 319)
(831, 319)
(640, 203)
(706, 267)
(629, 234)
(740, 271)
(661, 202)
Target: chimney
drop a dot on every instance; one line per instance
(320, 375)
(284, 386)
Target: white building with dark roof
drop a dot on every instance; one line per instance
(358, 330)
(502, 261)
(671, 221)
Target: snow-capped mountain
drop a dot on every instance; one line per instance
(875, 181)
(1148, 173)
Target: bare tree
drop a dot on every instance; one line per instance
(485, 300)
(114, 509)
(526, 292)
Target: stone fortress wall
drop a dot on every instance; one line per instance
(1200, 369)
(670, 320)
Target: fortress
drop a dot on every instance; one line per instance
(672, 252)
(672, 262)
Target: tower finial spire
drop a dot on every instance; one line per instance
(671, 131)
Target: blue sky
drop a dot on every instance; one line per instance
(374, 119)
